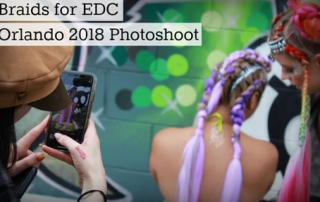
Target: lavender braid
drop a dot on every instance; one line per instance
(233, 180)
(209, 84)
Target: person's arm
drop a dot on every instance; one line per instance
(86, 158)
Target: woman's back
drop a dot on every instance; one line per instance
(193, 164)
(259, 161)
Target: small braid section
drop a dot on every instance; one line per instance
(276, 19)
(209, 84)
(305, 108)
(299, 55)
(233, 180)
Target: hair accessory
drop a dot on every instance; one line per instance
(277, 46)
(217, 123)
(297, 68)
(244, 74)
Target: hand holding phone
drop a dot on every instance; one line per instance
(84, 157)
(79, 135)
(73, 120)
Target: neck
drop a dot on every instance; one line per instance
(224, 111)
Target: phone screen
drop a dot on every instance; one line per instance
(72, 120)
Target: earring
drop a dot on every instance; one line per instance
(271, 57)
(297, 69)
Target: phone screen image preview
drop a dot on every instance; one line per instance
(71, 120)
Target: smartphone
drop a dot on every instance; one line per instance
(73, 120)
(23, 181)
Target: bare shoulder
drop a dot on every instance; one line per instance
(262, 148)
(167, 146)
(170, 137)
(269, 151)
(265, 155)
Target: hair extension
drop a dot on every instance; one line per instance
(191, 169)
(190, 175)
(295, 187)
(209, 84)
(233, 180)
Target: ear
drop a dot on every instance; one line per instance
(253, 102)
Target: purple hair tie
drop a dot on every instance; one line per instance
(237, 150)
(202, 113)
(236, 128)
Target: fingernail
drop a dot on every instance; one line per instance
(57, 136)
(41, 156)
(41, 145)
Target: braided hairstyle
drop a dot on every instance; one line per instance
(241, 74)
(299, 25)
(71, 89)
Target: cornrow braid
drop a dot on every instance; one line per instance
(299, 55)
(233, 180)
(228, 67)
(211, 81)
(226, 70)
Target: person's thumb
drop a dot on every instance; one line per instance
(27, 162)
(66, 141)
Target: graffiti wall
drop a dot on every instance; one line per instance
(142, 90)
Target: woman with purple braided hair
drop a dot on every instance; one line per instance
(213, 161)
(64, 117)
